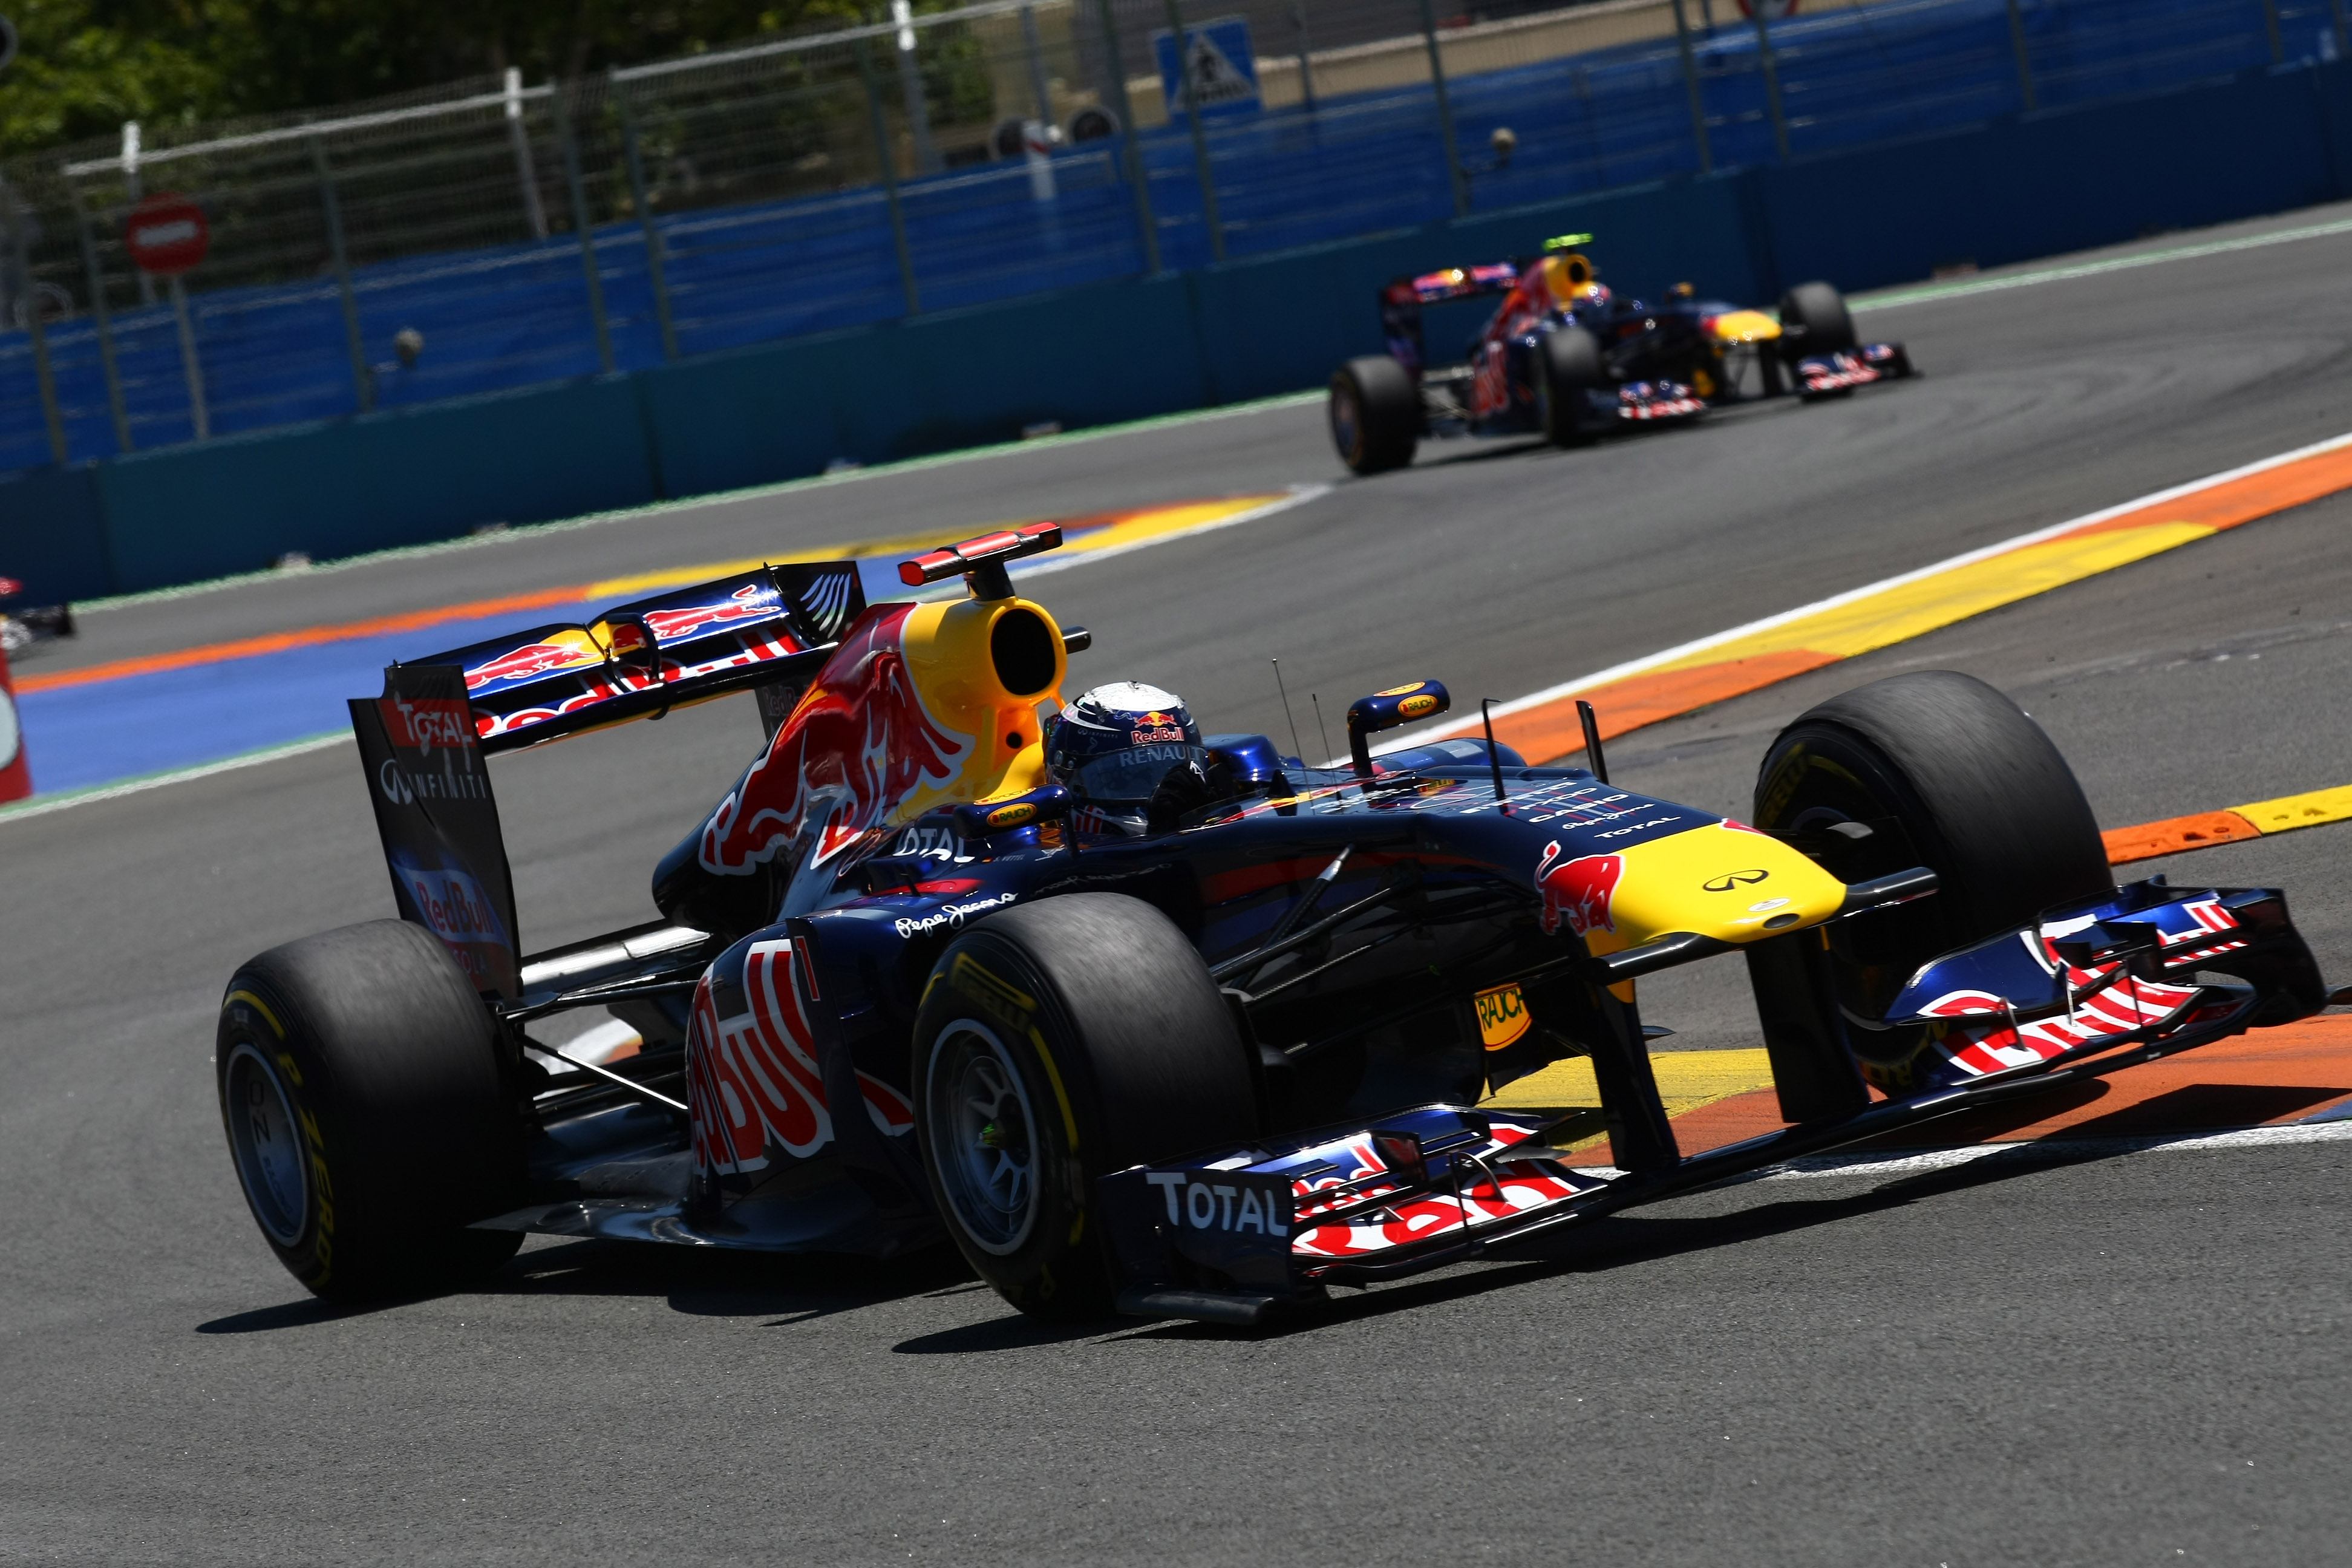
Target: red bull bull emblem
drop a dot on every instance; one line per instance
(860, 744)
(750, 603)
(532, 658)
(1579, 890)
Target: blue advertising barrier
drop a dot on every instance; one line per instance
(2004, 190)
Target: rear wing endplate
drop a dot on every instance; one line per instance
(424, 741)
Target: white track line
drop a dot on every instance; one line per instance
(1930, 1160)
(1958, 289)
(41, 805)
(2329, 1128)
(1717, 640)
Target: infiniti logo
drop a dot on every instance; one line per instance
(1731, 879)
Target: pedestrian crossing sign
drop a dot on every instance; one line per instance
(1216, 70)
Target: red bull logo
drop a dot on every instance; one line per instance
(1155, 729)
(860, 745)
(750, 603)
(532, 658)
(1578, 891)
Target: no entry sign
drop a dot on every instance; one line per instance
(166, 235)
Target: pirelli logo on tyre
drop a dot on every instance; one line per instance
(992, 994)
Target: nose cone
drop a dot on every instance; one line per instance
(1730, 883)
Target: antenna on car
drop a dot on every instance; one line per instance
(1318, 722)
(982, 562)
(1592, 723)
(1296, 750)
(1494, 761)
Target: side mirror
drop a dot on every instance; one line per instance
(1382, 710)
(1045, 805)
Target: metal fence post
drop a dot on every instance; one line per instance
(131, 184)
(2024, 59)
(1771, 79)
(199, 416)
(579, 225)
(1445, 113)
(105, 322)
(911, 85)
(1130, 146)
(889, 178)
(525, 171)
(1036, 51)
(654, 272)
(1201, 168)
(26, 298)
(2271, 25)
(1305, 54)
(1690, 82)
(363, 382)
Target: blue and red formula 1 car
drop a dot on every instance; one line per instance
(1564, 358)
(907, 985)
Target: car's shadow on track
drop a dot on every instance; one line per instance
(782, 1289)
(785, 1290)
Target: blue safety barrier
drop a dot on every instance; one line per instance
(429, 466)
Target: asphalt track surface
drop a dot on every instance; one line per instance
(2128, 1359)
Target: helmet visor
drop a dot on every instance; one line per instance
(1134, 773)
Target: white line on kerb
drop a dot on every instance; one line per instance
(1837, 601)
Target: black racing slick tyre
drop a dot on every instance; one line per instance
(1932, 768)
(1375, 413)
(367, 1112)
(1057, 1042)
(1568, 369)
(1821, 324)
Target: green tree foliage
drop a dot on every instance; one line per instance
(86, 66)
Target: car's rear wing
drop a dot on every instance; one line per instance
(424, 742)
(755, 629)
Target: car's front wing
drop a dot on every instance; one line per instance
(1232, 1236)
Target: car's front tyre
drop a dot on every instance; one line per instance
(367, 1114)
(1569, 371)
(1058, 1042)
(1931, 768)
(1375, 414)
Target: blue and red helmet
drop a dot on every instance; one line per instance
(1120, 746)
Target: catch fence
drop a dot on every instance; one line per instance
(498, 234)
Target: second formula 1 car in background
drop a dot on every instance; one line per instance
(1564, 358)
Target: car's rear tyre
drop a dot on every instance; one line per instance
(367, 1114)
(1375, 414)
(1568, 369)
(1823, 324)
(1944, 772)
(1057, 1042)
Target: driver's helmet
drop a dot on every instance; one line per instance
(1132, 755)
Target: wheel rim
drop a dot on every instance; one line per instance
(984, 1142)
(1347, 423)
(264, 1136)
